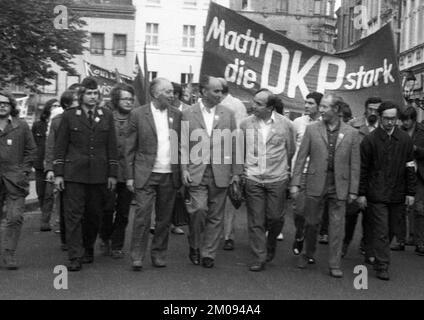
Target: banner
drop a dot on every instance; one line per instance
(105, 78)
(251, 56)
(22, 106)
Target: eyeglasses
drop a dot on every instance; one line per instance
(4, 103)
(127, 99)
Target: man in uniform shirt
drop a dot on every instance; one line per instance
(85, 167)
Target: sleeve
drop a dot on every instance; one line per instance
(355, 164)
(131, 143)
(50, 147)
(237, 165)
(112, 149)
(366, 160)
(61, 146)
(411, 177)
(303, 154)
(30, 149)
(291, 143)
(185, 142)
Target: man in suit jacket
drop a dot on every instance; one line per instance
(152, 158)
(85, 166)
(333, 175)
(208, 173)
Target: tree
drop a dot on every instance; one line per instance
(30, 43)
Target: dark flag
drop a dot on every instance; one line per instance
(141, 82)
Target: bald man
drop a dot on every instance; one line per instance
(151, 154)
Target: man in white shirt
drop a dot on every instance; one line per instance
(151, 154)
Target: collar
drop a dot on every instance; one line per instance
(271, 120)
(337, 128)
(376, 125)
(384, 135)
(157, 111)
(203, 107)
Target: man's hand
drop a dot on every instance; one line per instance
(130, 185)
(111, 183)
(235, 178)
(409, 201)
(362, 202)
(186, 178)
(352, 198)
(50, 176)
(59, 183)
(294, 192)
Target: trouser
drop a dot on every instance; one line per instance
(314, 209)
(325, 221)
(299, 210)
(352, 214)
(115, 217)
(60, 206)
(45, 195)
(265, 212)
(206, 215)
(383, 225)
(11, 220)
(84, 204)
(398, 225)
(159, 191)
(419, 214)
(229, 221)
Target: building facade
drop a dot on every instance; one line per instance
(311, 22)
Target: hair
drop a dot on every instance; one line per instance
(335, 101)
(13, 104)
(74, 87)
(47, 110)
(155, 82)
(224, 83)
(178, 89)
(67, 98)
(408, 113)
(89, 83)
(273, 100)
(372, 100)
(344, 109)
(387, 105)
(316, 96)
(115, 94)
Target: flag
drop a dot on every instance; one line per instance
(118, 76)
(141, 82)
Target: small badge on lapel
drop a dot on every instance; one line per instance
(339, 138)
(97, 119)
(78, 113)
(9, 142)
(216, 117)
(100, 112)
(171, 120)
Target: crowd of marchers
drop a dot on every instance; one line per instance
(93, 160)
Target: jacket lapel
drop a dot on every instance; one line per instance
(82, 117)
(219, 113)
(323, 131)
(342, 134)
(97, 117)
(198, 115)
(150, 119)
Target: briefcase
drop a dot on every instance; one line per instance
(236, 195)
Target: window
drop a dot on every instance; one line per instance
(97, 43)
(186, 78)
(283, 6)
(190, 3)
(154, 2)
(317, 7)
(152, 75)
(189, 36)
(328, 9)
(244, 4)
(152, 34)
(119, 44)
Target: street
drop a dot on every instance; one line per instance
(39, 253)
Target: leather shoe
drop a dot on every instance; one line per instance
(177, 230)
(257, 266)
(74, 265)
(323, 239)
(297, 247)
(383, 275)
(336, 273)
(158, 263)
(229, 245)
(370, 260)
(398, 247)
(194, 256)
(137, 265)
(207, 263)
(88, 256)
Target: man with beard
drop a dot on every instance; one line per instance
(85, 167)
(388, 181)
(365, 125)
(333, 151)
(115, 218)
(17, 154)
(151, 155)
(208, 174)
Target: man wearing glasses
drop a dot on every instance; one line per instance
(17, 153)
(387, 181)
(113, 228)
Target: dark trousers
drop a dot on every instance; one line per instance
(383, 225)
(299, 210)
(419, 214)
(325, 221)
(265, 212)
(398, 225)
(84, 204)
(45, 195)
(60, 209)
(206, 215)
(352, 214)
(159, 191)
(115, 217)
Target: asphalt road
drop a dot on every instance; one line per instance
(39, 253)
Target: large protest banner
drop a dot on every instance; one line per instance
(251, 56)
(105, 78)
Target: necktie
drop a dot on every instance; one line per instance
(90, 117)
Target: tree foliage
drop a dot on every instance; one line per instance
(30, 43)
